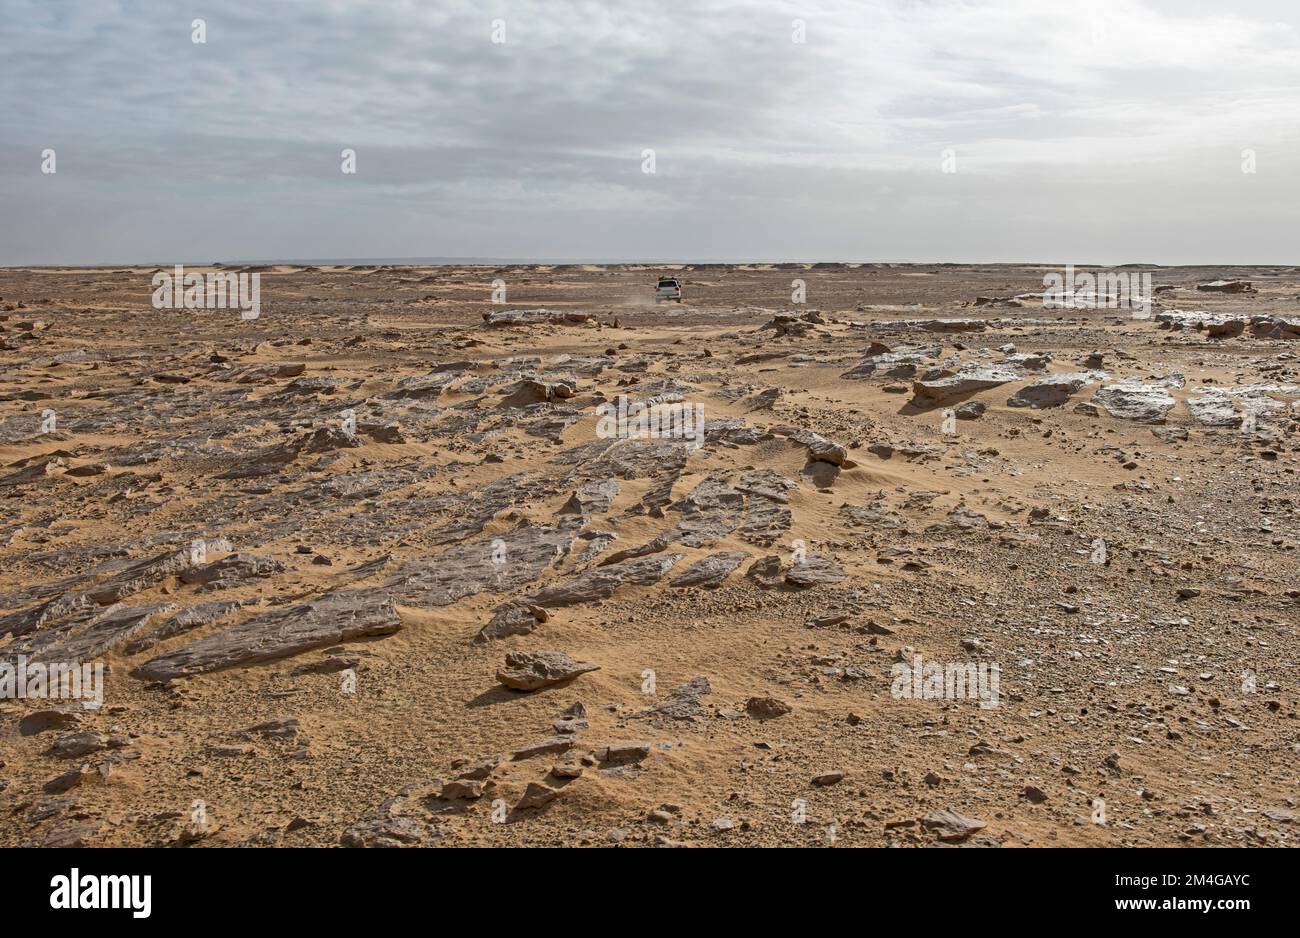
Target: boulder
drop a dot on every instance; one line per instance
(622, 753)
(819, 448)
(512, 619)
(533, 670)
(536, 795)
(38, 721)
(766, 708)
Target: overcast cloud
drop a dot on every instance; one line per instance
(1108, 131)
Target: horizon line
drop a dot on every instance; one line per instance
(438, 261)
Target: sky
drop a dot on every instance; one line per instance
(1091, 131)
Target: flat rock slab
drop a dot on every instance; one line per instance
(1215, 325)
(500, 563)
(79, 745)
(528, 391)
(1050, 390)
(112, 628)
(532, 317)
(35, 472)
(903, 363)
(766, 519)
(422, 387)
(628, 459)
(1213, 410)
(768, 483)
(652, 546)
(591, 498)
(146, 573)
(710, 571)
(952, 325)
(1025, 361)
(711, 510)
(333, 618)
(732, 431)
(659, 495)
(950, 826)
(533, 670)
(766, 571)
(1226, 286)
(394, 823)
(251, 374)
(277, 458)
(601, 582)
(124, 579)
(814, 570)
(233, 570)
(183, 621)
(964, 382)
(280, 728)
(1142, 403)
(684, 702)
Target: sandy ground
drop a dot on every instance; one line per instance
(1132, 573)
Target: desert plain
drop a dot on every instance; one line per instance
(368, 570)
